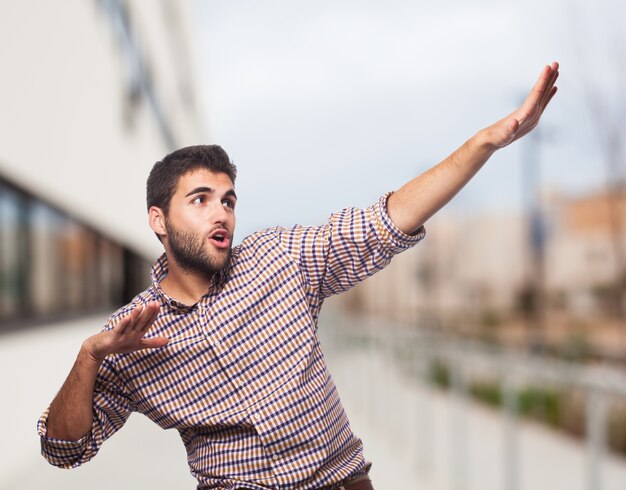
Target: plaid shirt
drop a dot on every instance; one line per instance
(243, 378)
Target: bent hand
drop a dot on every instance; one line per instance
(127, 335)
(525, 119)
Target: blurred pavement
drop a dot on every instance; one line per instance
(410, 433)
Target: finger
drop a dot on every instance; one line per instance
(548, 92)
(156, 309)
(539, 88)
(121, 325)
(144, 321)
(552, 92)
(146, 313)
(555, 72)
(125, 321)
(553, 76)
(153, 343)
(538, 99)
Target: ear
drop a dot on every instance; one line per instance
(156, 218)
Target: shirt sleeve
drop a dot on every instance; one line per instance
(111, 407)
(354, 244)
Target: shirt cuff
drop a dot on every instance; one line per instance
(394, 238)
(59, 452)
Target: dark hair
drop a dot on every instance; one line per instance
(165, 174)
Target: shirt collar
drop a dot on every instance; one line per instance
(161, 266)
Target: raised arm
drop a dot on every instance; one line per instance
(415, 202)
(70, 416)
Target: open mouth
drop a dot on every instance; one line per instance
(220, 240)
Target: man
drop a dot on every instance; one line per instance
(222, 346)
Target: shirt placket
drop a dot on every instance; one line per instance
(256, 416)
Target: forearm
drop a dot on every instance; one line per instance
(71, 412)
(415, 202)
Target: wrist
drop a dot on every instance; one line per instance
(89, 352)
(482, 142)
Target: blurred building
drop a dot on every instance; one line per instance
(465, 265)
(585, 255)
(92, 92)
(469, 266)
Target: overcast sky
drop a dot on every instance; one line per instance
(326, 104)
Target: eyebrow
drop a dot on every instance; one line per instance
(209, 190)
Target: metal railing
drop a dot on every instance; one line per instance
(398, 350)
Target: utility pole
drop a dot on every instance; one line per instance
(533, 300)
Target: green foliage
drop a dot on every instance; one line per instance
(559, 409)
(541, 404)
(439, 374)
(487, 392)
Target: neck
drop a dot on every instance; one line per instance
(185, 286)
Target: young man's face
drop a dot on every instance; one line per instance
(201, 221)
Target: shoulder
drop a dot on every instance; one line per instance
(281, 237)
(262, 238)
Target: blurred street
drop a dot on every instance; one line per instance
(417, 437)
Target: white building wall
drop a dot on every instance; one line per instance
(68, 131)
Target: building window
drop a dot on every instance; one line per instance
(12, 263)
(53, 266)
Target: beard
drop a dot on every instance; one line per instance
(190, 252)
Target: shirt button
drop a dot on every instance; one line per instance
(274, 457)
(257, 416)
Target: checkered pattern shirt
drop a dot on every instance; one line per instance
(243, 378)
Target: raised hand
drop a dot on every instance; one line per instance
(127, 335)
(523, 120)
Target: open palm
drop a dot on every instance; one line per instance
(128, 334)
(523, 120)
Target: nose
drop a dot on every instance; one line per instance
(220, 215)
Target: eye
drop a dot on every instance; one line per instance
(229, 203)
(198, 200)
